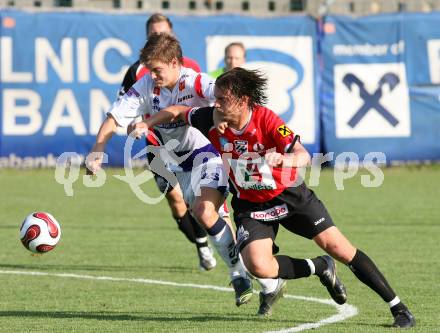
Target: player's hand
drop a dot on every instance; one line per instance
(93, 162)
(137, 130)
(274, 159)
(219, 123)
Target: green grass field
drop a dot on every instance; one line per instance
(108, 232)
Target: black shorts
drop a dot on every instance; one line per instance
(163, 185)
(297, 209)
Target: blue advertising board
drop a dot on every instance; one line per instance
(60, 72)
(377, 93)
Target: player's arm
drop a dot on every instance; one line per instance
(299, 157)
(170, 114)
(106, 131)
(123, 112)
(167, 115)
(200, 118)
(296, 157)
(288, 152)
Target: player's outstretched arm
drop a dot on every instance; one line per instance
(297, 158)
(106, 131)
(170, 114)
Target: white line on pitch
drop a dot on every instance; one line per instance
(344, 311)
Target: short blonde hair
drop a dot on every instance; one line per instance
(161, 47)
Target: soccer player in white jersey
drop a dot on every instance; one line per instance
(200, 170)
(194, 232)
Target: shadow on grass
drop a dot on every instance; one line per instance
(157, 317)
(103, 268)
(372, 324)
(91, 227)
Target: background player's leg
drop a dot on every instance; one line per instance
(187, 223)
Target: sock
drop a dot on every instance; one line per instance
(185, 226)
(222, 239)
(193, 231)
(291, 268)
(396, 305)
(317, 265)
(268, 285)
(367, 272)
(217, 228)
(200, 234)
(199, 231)
(201, 242)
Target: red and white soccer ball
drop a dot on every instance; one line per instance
(40, 232)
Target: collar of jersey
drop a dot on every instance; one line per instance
(240, 132)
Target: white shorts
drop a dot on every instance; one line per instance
(211, 174)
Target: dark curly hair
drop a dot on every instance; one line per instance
(242, 82)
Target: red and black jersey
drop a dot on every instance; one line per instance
(243, 152)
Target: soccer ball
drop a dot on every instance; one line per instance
(40, 232)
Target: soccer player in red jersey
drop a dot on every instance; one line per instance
(256, 144)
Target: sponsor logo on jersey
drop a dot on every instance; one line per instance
(172, 125)
(184, 98)
(274, 213)
(132, 92)
(241, 146)
(156, 91)
(252, 174)
(322, 219)
(258, 187)
(284, 130)
(181, 85)
(156, 102)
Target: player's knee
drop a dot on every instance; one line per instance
(175, 197)
(260, 268)
(340, 252)
(203, 211)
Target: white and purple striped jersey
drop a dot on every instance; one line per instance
(144, 98)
